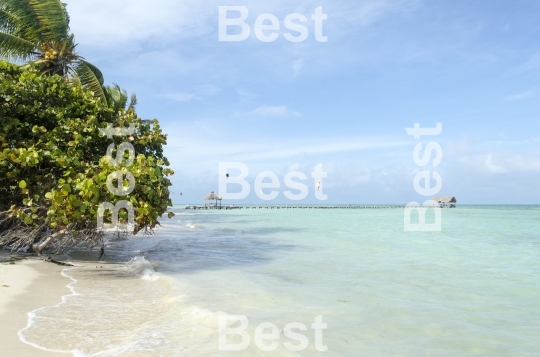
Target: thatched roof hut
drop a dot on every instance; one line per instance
(445, 199)
(212, 196)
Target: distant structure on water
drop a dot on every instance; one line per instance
(446, 201)
(212, 196)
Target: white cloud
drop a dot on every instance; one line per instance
(105, 23)
(347, 174)
(491, 167)
(160, 65)
(500, 163)
(168, 39)
(521, 96)
(180, 96)
(532, 64)
(267, 111)
(369, 12)
(196, 150)
(279, 111)
(494, 157)
(245, 96)
(336, 145)
(530, 141)
(201, 93)
(297, 67)
(524, 163)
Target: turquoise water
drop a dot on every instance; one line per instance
(471, 290)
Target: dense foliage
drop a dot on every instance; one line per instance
(53, 169)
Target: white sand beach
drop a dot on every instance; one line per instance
(24, 287)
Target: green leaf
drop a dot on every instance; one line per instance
(52, 18)
(69, 183)
(15, 47)
(92, 78)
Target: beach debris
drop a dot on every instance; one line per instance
(51, 260)
(102, 252)
(342, 300)
(12, 259)
(5, 286)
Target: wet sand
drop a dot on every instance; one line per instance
(25, 286)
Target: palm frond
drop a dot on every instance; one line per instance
(23, 20)
(68, 44)
(133, 102)
(8, 22)
(92, 78)
(13, 47)
(52, 17)
(117, 97)
(122, 99)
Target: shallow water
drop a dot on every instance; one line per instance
(470, 290)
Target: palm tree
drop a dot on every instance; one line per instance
(38, 30)
(118, 98)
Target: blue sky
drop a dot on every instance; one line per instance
(473, 66)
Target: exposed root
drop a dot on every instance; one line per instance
(17, 234)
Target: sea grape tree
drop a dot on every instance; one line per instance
(53, 169)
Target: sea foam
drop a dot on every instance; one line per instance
(139, 266)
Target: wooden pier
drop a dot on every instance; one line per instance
(290, 207)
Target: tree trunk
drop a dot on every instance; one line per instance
(38, 247)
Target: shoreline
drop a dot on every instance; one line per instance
(26, 286)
